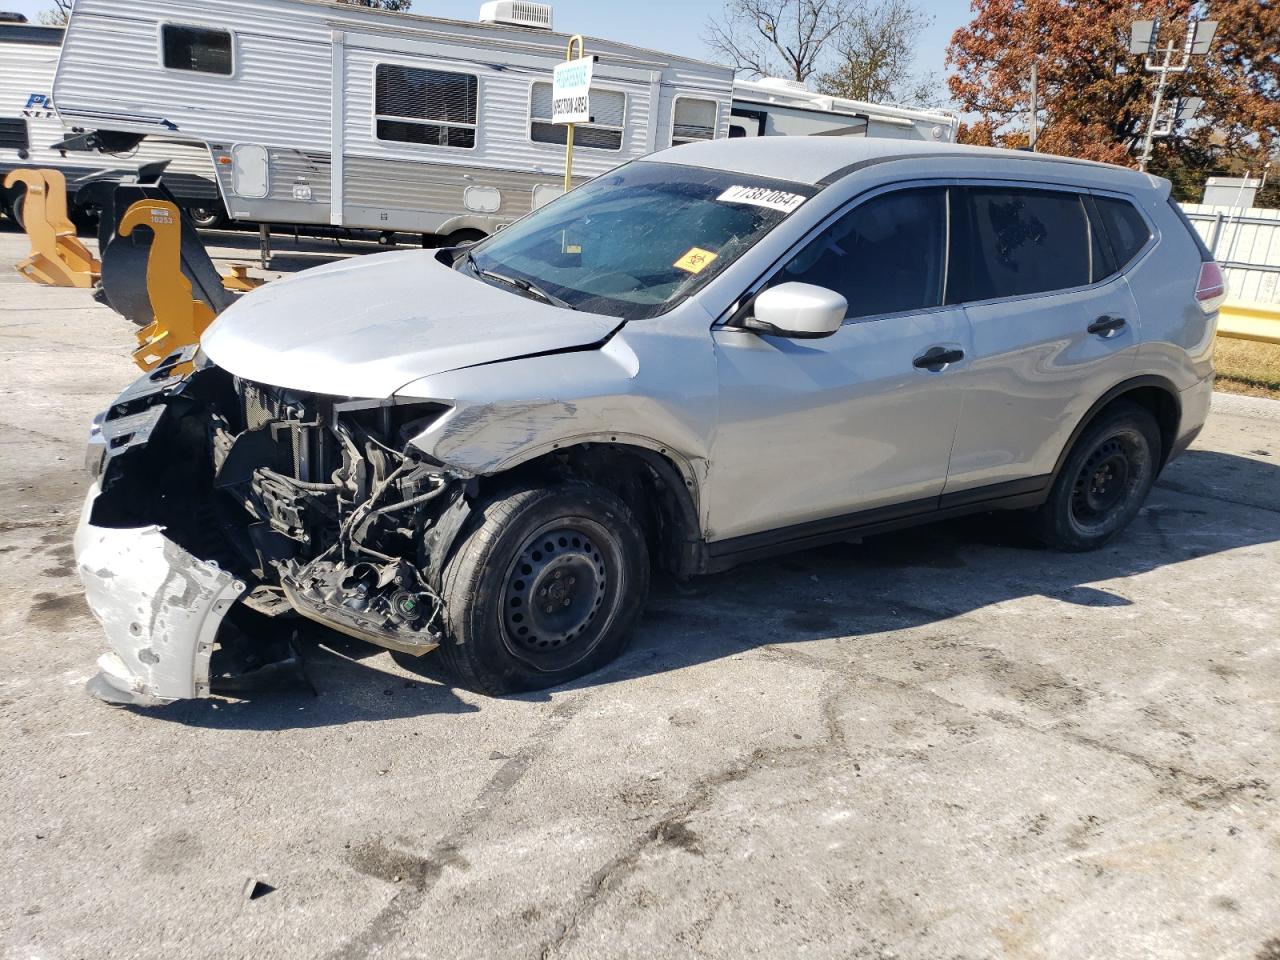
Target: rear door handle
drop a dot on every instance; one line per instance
(1105, 324)
(935, 358)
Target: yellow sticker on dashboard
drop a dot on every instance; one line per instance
(695, 261)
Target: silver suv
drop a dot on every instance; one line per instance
(727, 350)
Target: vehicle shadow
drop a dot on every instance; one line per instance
(1206, 503)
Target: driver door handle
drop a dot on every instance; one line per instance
(935, 358)
(1105, 324)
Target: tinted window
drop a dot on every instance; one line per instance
(197, 48)
(885, 256)
(426, 106)
(1126, 229)
(608, 114)
(1017, 242)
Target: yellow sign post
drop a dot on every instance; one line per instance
(571, 97)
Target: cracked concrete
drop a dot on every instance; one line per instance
(947, 743)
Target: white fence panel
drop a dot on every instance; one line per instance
(1247, 244)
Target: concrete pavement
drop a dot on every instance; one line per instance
(945, 743)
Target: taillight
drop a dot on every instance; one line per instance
(1211, 288)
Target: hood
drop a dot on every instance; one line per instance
(368, 326)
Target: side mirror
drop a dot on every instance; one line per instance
(798, 311)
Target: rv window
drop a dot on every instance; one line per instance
(198, 49)
(608, 111)
(694, 120)
(426, 106)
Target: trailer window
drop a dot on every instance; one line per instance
(198, 49)
(430, 107)
(693, 119)
(608, 112)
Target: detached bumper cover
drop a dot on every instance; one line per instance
(160, 606)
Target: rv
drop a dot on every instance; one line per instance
(30, 130)
(773, 107)
(324, 113)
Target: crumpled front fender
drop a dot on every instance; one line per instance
(160, 606)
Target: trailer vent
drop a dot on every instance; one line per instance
(517, 13)
(13, 134)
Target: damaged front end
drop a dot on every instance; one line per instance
(222, 508)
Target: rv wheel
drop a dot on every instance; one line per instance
(207, 218)
(460, 237)
(15, 208)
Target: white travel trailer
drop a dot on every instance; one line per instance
(317, 112)
(773, 107)
(325, 113)
(29, 128)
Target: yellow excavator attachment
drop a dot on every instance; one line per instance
(180, 319)
(58, 258)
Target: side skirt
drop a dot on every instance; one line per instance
(720, 555)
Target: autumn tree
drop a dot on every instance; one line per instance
(1095, 96)
(58, 14)
(777, 38)
(876, 56)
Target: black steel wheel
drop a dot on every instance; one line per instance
(1104, 480)
(545, 586)
(208, 218)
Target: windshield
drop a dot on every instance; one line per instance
(638, 240)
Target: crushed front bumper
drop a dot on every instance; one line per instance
(160, 606)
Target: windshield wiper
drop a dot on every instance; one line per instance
(519, 283)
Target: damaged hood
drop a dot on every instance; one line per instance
(368, 326)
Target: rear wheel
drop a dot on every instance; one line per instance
(460, 237)
(545, 587)
(1104, 481)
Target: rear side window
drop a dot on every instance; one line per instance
(198, 49)
(1012, 242)
(1125, 227)
(885, 256)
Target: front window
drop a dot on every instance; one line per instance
(638, 240)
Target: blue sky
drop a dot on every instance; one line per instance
(672, 25)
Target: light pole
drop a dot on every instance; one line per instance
(1144, 39)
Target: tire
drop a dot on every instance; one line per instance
(208, 218)
(460, 237)
(15, 208)
(589, 588)
(1104, 481)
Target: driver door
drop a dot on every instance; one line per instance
(812, 431)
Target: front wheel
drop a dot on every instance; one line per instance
(545, 587)
(1104, 481)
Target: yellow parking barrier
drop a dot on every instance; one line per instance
(58, 258)
(1250, 321)
(180, 319)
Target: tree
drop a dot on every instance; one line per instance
(876, 49)
(776, 38)
(59, 15)
(399, 6)
(1095, 96)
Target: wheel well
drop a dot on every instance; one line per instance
(1162, 404)
(648, 482)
